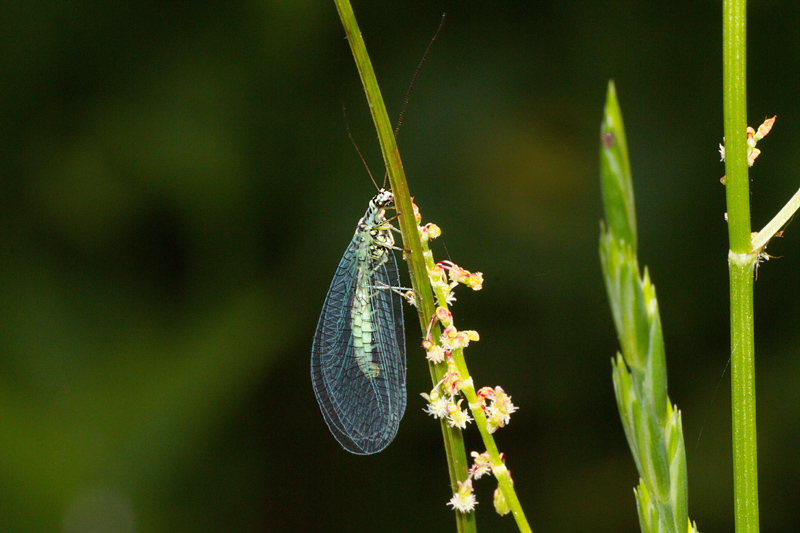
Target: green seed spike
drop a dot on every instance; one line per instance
(652, 424)
(615, 173)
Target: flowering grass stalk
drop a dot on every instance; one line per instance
(453, 440)
(489, 407)
(651, 422)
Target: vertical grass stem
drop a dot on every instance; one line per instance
(741, 261)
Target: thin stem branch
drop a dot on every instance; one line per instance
(777, 222)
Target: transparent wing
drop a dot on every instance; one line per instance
(363, 412)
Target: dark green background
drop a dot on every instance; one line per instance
(176, 190)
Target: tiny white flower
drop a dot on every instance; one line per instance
(464, 504)
(435, 354)
(464, 500)
(437, 408)
(457, 417)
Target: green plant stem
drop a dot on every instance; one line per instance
(777, 222)
(453, 439)
(745, 473)
(741, 261)
(499, 469)
(735, 115)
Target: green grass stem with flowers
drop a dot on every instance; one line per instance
(652, 424)
(490, 407)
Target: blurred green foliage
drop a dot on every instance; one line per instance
(178, 187)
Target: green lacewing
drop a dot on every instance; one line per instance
(358, 359)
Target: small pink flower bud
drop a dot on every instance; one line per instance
(444, 316)
(417, 216)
